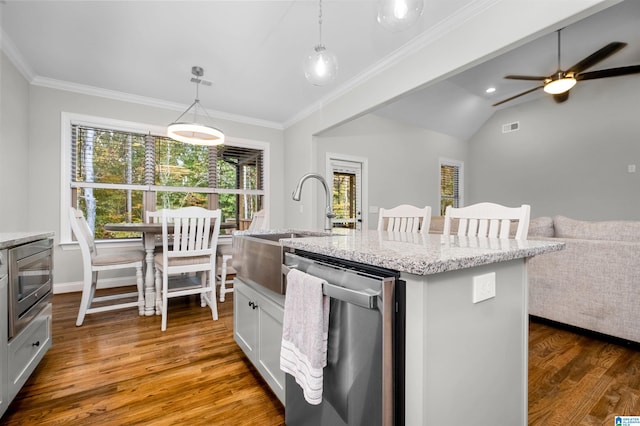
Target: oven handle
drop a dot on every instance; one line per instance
(358, 298)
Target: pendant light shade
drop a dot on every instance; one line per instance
(320, 65)
(398, 15)
(195, 132)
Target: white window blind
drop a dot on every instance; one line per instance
(450, 184)
(116, 175)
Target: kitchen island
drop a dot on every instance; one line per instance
(466, 336)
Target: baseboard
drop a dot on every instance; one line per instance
(585, 332)
(76, 286)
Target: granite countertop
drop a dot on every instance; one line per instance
(419, 254)
(12, 239)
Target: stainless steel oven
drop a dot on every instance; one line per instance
(30, 282)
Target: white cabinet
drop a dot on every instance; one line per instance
(21, 355)
(4, 381)
(257, 323)
(27, 349)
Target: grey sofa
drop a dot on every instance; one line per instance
(594, 283)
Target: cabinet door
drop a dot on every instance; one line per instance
(270, 338)
(4, 365)
(244, 318)
(27, 349)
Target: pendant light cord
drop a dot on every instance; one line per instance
(320, 22)
(559, 68)
(195, 105)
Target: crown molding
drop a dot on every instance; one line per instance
(16, 58)
(143, 100)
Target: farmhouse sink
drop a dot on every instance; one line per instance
(279, 236)
(257, 258)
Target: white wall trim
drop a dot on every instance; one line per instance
(143, 100)
(76, 286)
(16, 58)
(29, 74)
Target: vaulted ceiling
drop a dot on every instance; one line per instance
(252, 52)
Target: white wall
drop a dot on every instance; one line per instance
(14, 148)
(403, 161)
(569, 158)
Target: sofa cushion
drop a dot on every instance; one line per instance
(612, 230)
(541, 227)
(437, 225)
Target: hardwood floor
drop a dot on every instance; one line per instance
(119, 368)
(579, 380)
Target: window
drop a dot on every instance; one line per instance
(450, 184)
(119, 170)
(344, 200)
(349, 176)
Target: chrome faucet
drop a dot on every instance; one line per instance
(329, 212)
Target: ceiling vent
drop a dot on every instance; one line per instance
(511, 127)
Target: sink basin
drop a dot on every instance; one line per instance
(257, 258)
(279, 236)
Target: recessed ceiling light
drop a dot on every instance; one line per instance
(490, 90)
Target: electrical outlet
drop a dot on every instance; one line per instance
(484, 287)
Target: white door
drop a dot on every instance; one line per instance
(347, 176)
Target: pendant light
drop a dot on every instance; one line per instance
(320, 64)
(194, 132)
(398, 15)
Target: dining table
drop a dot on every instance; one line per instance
(149, 232)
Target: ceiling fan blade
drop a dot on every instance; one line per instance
(561, 97)
(526, 77)
(517, 96)
(597, 56)
(611, 72)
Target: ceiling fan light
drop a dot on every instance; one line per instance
(195, 134)
(398, 15)
(320, 66)
(561, 85)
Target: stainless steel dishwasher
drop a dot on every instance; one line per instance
(363, 382)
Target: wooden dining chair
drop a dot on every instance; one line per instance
(225, 254)
(405, 218)
(488, 220)
(187, 250)
(94, 262)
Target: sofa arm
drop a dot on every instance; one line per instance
(592, 284)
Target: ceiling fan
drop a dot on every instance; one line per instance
(559, 83)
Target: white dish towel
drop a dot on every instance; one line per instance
(304, 333)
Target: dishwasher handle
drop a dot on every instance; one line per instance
(368, 300)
